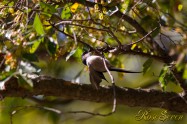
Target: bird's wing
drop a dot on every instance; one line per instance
(97, 63)
(96, 77)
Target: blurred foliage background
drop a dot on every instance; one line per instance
(47, 37)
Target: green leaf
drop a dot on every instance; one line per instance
(11, 3)
(66, 12)
(78, 53)
(30, 57)
(147, 64)
(36, 44)
(149, 22)
(185, 73)
(47, 8)
(52, 47)
(38, 25)
(24, 82)
(163, 77)
(70, 54)
(124, 7)
(4, 75)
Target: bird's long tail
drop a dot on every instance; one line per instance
(123, 70)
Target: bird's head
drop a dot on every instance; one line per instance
(85, 55)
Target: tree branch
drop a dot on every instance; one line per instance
(132, 97)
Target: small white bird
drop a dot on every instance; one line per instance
(96, 68)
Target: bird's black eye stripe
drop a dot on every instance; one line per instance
(84, 57)
(84, 61)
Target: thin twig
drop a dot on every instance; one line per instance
(2, 62)
(177, 21)
(59, 112)
(27, 12)
(177, 75)
(113, 86)
(83, 26)
(143, 37)
(169, 37)
(114, 36)
(90, 113)
(78, 40)
(104, 28)
(75, 38)
(20, 108)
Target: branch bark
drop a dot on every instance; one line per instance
(132, 97)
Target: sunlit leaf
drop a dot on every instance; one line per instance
(101, 16)
(11, 10)
(162, 77)
(66, 12)
(8, 44)
(70, 54)
(125, 6)
(74, 7)
(147, 64)
(133, 46)
(180, 6)
(104, 10)
(4, 75)
(144, 51)
(38, 25)
(78, 53)
(96, 7)
(36, 44)
(48, 8)
(185, 73)
(10, 3)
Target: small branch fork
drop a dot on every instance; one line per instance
(17, 109)
(145, 36)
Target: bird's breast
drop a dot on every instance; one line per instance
(96, 62)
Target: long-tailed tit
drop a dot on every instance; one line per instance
(96, 68)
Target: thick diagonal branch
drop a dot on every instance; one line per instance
(132, 97)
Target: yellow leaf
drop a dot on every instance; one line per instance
(104, 10)
(145, 51)
(101, 16)
(122, 28)
(96, 7)
(74, 7)
(133, 46)
(180, 6)
(11, 10)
